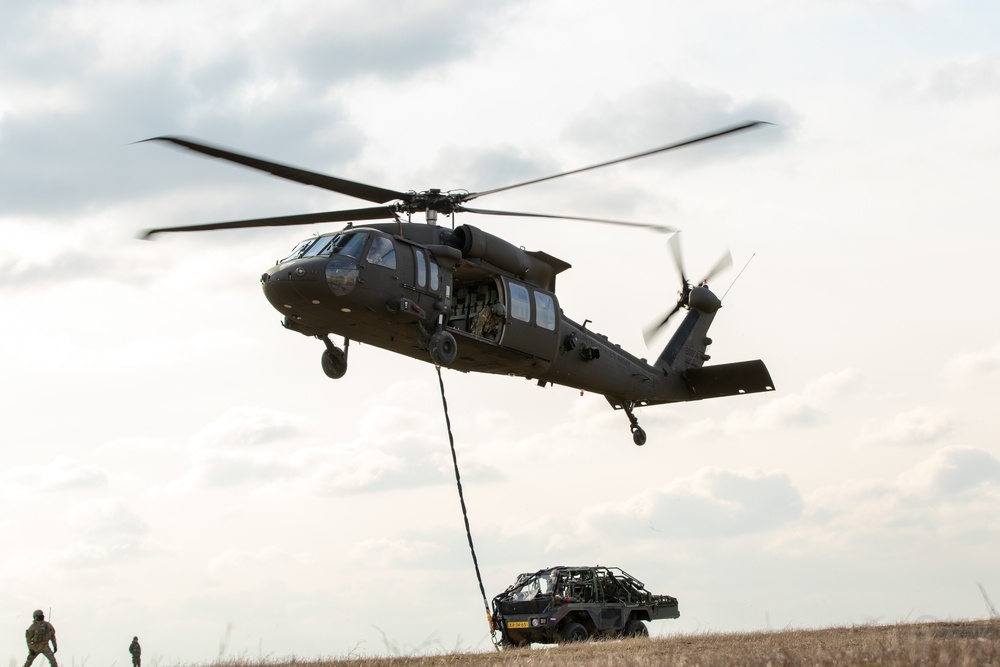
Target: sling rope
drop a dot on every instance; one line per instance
(465, 513)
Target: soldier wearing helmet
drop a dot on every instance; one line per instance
(136, 652)
(38, 635)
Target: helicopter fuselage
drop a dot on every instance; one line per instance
(396, 285)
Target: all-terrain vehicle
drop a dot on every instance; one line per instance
(570, 604)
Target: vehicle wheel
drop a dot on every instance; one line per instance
(639, 437)
(443, 348)
(334, 363)
(574, 632)
(635, 628)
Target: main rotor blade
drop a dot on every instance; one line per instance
(661, 149)
(360, 190)
(374, 213)
(659, 228)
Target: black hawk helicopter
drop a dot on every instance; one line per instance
(465, 299)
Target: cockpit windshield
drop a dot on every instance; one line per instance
(345, 243)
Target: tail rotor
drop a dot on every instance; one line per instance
(684, 295)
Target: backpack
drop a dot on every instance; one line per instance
(39, 632)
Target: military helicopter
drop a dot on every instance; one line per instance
(465, 299)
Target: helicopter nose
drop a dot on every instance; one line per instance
(297, 284)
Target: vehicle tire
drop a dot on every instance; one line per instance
(639, 437)
(573, 632)
(635, 628)
(443, 348)
(334, 363)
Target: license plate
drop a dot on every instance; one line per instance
(517, 624)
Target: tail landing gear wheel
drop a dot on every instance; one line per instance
(638, 435)
(334, 363)
(443, 348)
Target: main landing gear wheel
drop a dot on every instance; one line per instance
(334, 360)
(638, 436)
(443, 348)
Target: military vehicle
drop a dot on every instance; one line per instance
(572, 604)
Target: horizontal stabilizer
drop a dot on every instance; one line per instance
(743, 377)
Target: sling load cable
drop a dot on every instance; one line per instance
(465, 513)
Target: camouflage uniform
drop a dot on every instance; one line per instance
(38, 636)
(136, 651)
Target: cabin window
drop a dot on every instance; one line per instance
(421, 268)
(435, 278)
(545, 311)
(382, 253)
(520, 306)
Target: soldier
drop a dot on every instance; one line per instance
(136, 651)
(38, 636)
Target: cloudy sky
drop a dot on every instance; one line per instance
(176, 466)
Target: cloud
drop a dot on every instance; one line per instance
(108, 517)
(951, 471)
(961, 79)
(110, 533)
(807, 409)
(920, 426)
(953, 494)
(257, 563)
(395, 450)
(62, 474)
(86, 81)
(675, 110)
(247, 427)
(973, 367)
(712, 503)
(388, 553)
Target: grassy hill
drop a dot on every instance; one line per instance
(947, 644)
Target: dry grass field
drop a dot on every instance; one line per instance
(941, 644)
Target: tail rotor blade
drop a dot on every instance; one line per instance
(648, 334)
(674, 243)
(724, 263)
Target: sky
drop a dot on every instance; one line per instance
(176, 465)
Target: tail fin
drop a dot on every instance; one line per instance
(687, 346)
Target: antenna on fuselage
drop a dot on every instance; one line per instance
(738, 276)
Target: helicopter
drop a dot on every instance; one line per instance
(465, 299)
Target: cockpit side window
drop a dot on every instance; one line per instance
(382, 252)
(350, 244)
